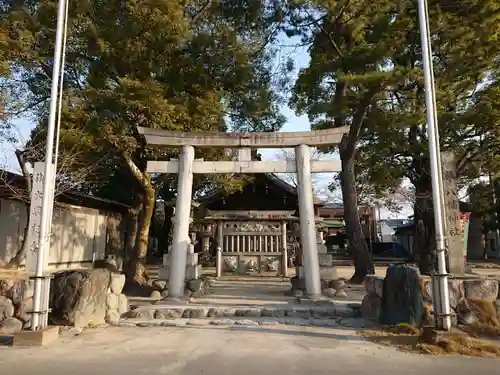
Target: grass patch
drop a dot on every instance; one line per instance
(462, 344)
(487, 322)
(408, 338)
(482, 330)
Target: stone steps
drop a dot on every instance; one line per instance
(313, 312)
(347, 322)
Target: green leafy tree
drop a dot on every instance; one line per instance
(366, 72)
(161, 64)
(464, 44)
(351, 46)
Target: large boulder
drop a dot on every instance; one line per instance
(117, 283)
(6, 308)
(402, 300)
(10, 326)
(374, 285)
(6, 286)
(455, 291)
(78, 297)
(481, 289)
(16, 289)
(370, 307)
(24, 309)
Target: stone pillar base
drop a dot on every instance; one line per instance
(325, 259)
(325, 273)
(193, 269)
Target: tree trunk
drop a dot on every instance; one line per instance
(130, 243)
(20, 256)
(115, 239)
(141, 248)
(164, 236)
(363, 262)
(138, 271)
(453, 225)
(424, 240)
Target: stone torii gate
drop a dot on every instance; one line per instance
(243, 142)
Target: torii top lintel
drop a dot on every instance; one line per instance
(164, 138)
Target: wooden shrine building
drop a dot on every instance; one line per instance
(261, 221)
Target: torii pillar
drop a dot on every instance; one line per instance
(180, 240)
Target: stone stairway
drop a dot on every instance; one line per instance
(241, 300)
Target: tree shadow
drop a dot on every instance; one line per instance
(79, 234)
(12, 222)
(331, 334)
(78, 237)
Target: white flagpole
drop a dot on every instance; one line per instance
(44, 242)
(443, 315)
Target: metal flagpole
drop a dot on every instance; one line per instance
(53, 176)
(443, 315)
(61, 85)
(47, 182)
(438, 309)
(433, 89)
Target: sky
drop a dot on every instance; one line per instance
(21, 128)
(286, 49)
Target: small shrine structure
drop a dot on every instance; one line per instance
(257, 227)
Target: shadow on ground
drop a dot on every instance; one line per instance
(291, 332)
(5, 340)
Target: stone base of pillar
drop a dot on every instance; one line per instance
(322, 248)
(325, 260)
(192, 259)
(325, 273)
(193, 272)
(193, 269)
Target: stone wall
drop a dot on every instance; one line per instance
(470, 299)
(83, 298)
(78, 298)
(16, 299)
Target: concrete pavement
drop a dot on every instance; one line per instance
(228, 351)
